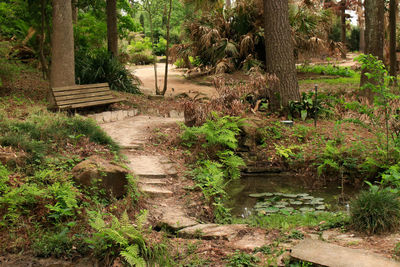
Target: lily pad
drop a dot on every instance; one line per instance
(289, 195)
(271, 210)
(307, 209)
(288, 209)
(260, 195)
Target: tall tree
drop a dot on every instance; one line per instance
(343, 26)
(279, 52)
(62, 45)
(374, 36)
(228, 4)
(361, 25)
(112, 30)
(392, 26)
(153, 7)
(168, 25)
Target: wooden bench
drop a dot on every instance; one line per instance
(79, 96)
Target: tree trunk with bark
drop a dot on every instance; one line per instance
(62, 45)
(228, 4)
(280, 53)
(74, 11)
(167, 49)
(343, 27)
(392, 27)
(374, 36)
(112, 30)
(361, 25)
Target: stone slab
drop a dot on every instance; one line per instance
(147, 166)
(213, 231)
(326, 254)
(155, 191)
(153, 181)
(174, 217)
(133, 130)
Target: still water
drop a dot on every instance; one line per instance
(242, 204)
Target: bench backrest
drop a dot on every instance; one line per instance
(78, 96)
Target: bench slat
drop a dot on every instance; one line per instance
(82, 91)
(88, 104)
(84, 100)
(78, 96)
(78, 87)
(82, 96)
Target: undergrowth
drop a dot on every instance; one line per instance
(218, 163)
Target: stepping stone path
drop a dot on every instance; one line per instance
(325, 254)
(156, 178)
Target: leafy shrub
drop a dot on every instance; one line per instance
(141, 45)
(160, 47)
(8, 69)
(119, 237)
(39, 132)
(141, 59)
(218, 131)
(99, 66)
(375, 211)
(242, 259)
(307, 107)
(55, 244)
(327, 70)
(65, 196)
(180, 63)
(3, 179)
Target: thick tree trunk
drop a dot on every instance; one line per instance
(280, 53)
(361, 25)
(112, 30)
(374, 35)
(392, 26)
(42, 39)
(154, 55)
(62, 45)
(167, 49)
(228, 4)
(343, 27)
(74, 11)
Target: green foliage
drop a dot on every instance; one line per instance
(242, 259)
(8, 69)
(54, 244)
(375, 211)
(119, 237)
(288, 222)
(384, 97)
(19, 200)
(3, 179)
(307, 107)
(391, 178)
(286, 152)
(218, 131)
(99, 66)
(326, 70)
(41, 131)
(65, 196)
(141, 59)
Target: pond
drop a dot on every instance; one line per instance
(269, 193)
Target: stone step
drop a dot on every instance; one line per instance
(149, 181)
(331, 255)
(155, 190)
(213, 231)
(150, 167)
(174, 217)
